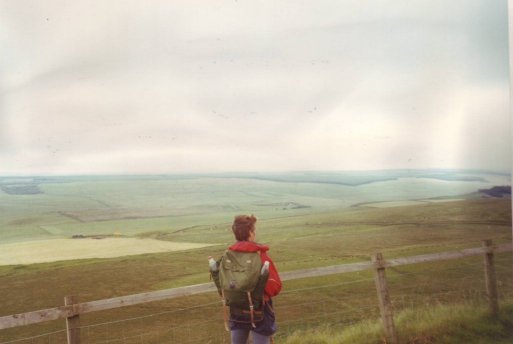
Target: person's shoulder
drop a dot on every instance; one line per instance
(248, 246)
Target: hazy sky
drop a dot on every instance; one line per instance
(195, 86)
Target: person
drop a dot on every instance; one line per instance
(244, 231)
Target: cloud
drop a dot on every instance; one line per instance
(223, 85)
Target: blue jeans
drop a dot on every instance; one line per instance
(240, 336)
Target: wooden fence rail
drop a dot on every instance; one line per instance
(72, 309)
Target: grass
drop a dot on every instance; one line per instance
(296, 242)
(463, 323)
(299, 241)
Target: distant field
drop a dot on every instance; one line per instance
(41, 208)
(44, 251)
(407, 203)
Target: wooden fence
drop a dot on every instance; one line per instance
(72, 308)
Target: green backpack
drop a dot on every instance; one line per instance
(241, 283)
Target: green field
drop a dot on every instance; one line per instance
(326, 229)
(39, 208)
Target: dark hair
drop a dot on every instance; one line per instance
(242, 225)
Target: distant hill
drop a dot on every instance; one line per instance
(21, 189)
(496, 192)
(357, 178)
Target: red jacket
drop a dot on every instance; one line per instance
(273, 286)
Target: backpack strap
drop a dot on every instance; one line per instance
(251, 310)
(269, 305)
(225, 312)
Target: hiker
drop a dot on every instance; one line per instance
(252, 312)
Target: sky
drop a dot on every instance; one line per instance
(125, 86)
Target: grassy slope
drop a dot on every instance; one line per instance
(297, 242)
(455, 324)
(322, 239)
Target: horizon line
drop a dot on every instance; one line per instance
(140, 174)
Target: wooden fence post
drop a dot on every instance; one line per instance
(73, 321)
(385, 304)
(491, 280)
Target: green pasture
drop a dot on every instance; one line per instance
(145, 205)
(138, 206)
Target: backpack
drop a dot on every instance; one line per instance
(240, 280)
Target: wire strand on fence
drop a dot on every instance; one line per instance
(326, 286)
(33, 337)
(148, 315)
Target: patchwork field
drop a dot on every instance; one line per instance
(135, 205)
